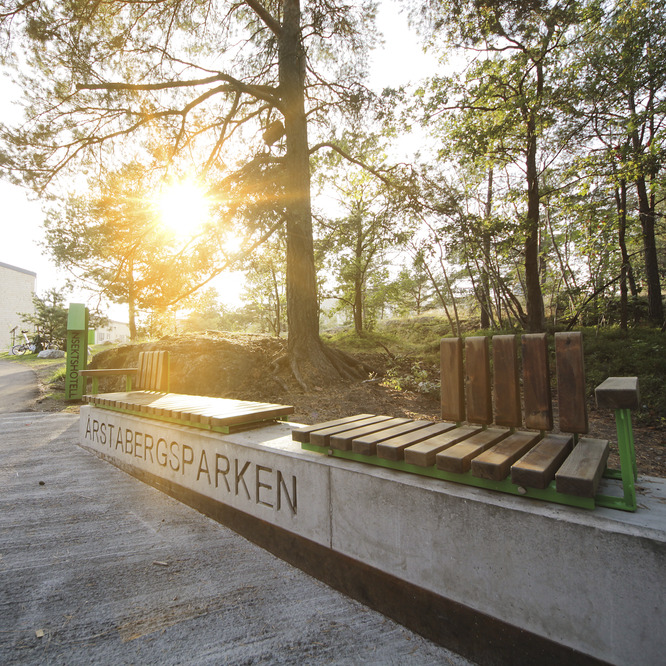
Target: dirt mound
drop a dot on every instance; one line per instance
(248, 367)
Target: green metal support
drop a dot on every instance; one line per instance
(549, 494)
(628, 471)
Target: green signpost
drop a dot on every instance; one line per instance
(77, 350)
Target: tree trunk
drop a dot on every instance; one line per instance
(485, 280)
(646, 214)
(311, 362)
(131, 300)
(533, 295)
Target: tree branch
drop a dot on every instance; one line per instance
(267, 18)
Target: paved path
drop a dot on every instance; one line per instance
(18, 387)
(96, 567)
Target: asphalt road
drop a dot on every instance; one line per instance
(97, 567)
(18, 387)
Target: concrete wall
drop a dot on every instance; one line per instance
(592, 581)
(16, 289)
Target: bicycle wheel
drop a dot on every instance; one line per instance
(19, 350)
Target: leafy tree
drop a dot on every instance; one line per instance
(624, 95)
(50, 317)
(266, 286)
(231, 86)
(206, 312)
(505, 107)
(111, 240)
(372, 219)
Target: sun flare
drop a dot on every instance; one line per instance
(183, 207)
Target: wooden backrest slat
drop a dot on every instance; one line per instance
(571, 382)
(477, 380)
(153, 371)
(452, 392)
(152, 378)
(536, 382)
(506, 381)
(141, 371)
(158, 371)
(147, 369)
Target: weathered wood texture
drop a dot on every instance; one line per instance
(506, 381)
(477, 380)
(582, 470)
(536, 469)
(536, 382)
(458, 458)
(393, 449)
(571, 382)
(452, 391)
(494, 463)
(618, 393)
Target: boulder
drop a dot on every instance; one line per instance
(51, 353)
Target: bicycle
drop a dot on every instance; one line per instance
(27, 346)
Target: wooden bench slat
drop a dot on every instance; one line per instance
(393, 449)
(536, 469)
(618, 393)
(303, 434)
(494, 463)
(582, 470)
(367, 445)
(343, 441)
(423, 454)
(458, 458)
(506, 381)
(452, 388)
(477, 384)
(536, 382)
(322, 437)
(571, 382)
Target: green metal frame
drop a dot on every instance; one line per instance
(627, 473)
(549, 494)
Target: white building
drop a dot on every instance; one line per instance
(114, 331)
(17, 287)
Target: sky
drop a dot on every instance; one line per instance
(400, 61)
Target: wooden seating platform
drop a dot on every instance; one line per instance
(483, 439)
(152, 399)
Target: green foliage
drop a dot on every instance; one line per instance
(50, 318)
(639, 352)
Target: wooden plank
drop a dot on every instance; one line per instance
(582, 470)
(343, 441)
(393, 449)
(536, 382)
(477, 380)
(141, 375)
(494, 463)
(458, 458)
(423, 454)
(323, 437)
(536, 469)
(452, 394)
(303, 434)
(506, 381)
(367, 445)
(571, 395)
(618, 393)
